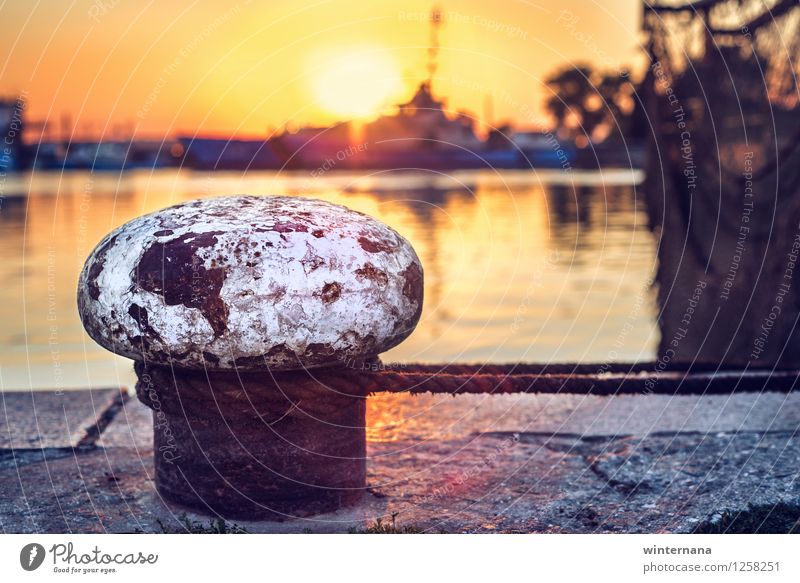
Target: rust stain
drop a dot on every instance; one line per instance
(174, 271)
(373, 246)
(372, 273)
(331, 292)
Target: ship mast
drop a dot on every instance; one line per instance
(433, 45)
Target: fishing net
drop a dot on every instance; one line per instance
(723, 187)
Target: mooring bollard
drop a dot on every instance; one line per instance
(235, 309)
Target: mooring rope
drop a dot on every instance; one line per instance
(198, 389)
(642, 378)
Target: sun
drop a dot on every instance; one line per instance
(356, 84)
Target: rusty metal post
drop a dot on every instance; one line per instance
(255, 445)
(234, 310)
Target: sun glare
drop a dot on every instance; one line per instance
(356, 84)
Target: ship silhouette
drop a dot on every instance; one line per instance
(421, 133)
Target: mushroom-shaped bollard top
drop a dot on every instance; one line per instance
(248, 283)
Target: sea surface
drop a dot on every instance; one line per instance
(526, 266)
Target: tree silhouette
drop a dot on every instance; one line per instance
(589, 105)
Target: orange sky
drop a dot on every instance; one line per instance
(244, 67)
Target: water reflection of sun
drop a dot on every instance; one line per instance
(356, 84)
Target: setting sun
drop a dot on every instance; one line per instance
(356, 84)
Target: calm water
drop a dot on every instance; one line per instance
(519, 266)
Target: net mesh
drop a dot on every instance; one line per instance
(722, 101)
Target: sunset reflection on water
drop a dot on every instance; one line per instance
(519, 266)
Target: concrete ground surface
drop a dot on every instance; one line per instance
(82, 461)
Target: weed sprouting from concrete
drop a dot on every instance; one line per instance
(381, 527)
(188, 526)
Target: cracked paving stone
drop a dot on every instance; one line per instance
(524, 477)
(30, 419)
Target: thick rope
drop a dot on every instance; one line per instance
(197, 389)
(579, 379)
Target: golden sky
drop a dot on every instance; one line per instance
(247, 67)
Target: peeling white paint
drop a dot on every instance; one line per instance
(297, 272)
